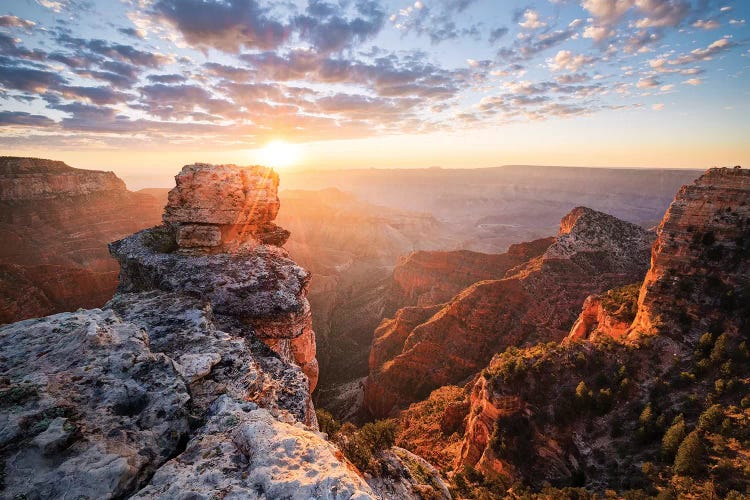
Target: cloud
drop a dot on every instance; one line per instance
(607, 12)
(497, 33)
(706, 54)
(169, 78)
(531, 20)
(16, 22)
(20, 118)
(121, 52)
(566, 61)
(327, 31)
(648, 83)
(662, 13)
(228, 25)
(693, 81)
(658, 107)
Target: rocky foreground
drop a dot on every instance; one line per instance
(195, 379)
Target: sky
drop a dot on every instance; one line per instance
(142, 87)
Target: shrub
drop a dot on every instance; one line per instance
(357, 451)
(710, 419)
(672, 438)
(327, 423)
(378, 435)
(689, 458)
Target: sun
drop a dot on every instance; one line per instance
(278, 154)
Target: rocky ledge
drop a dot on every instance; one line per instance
(195, 378)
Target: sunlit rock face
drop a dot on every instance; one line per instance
(173, 385)
(699, 266)
(216, 208)
(220, 243)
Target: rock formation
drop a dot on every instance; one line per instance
(223, 254)
(216, 208)
(426, 278)
(175, 377)
(537, 301)
(700, 253)
(55, 223)
(603, 410)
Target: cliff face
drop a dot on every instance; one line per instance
(174, 385)
(699, 265)
(537, 301)
(591, 411)
(55, 223)
(429, 277)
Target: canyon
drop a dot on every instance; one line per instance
(195, 377)
(56, 222)
(558, 366)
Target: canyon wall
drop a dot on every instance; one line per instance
(55, 223)
(535, 302)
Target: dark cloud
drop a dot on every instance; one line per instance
(25, 119)
(117, 51)
(29, 79)
(228, 25)
(228, 72)
(327, 31)
(497, 33)
(132, 32)
(171, 78)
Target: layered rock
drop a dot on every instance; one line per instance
(251, 284)
(590, 411)
(430, 277)
(701, 252)
(537, 301)
(55, 223)
(216, 208)
(608, 314)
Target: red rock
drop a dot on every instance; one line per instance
(55, 223)
(699, 266)
(538, 301)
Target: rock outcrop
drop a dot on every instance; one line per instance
(189, 380)
(221, 253)
(215, 208)
(55, 223)
(608, 408)
(537, 301)
(699, 265)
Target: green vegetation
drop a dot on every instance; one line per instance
(622, 303)
(673, 438)
(359, 446)
(689, 458)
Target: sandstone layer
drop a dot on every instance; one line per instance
(55, 224)
(537, 301)
(701, 252)
(253, 285)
